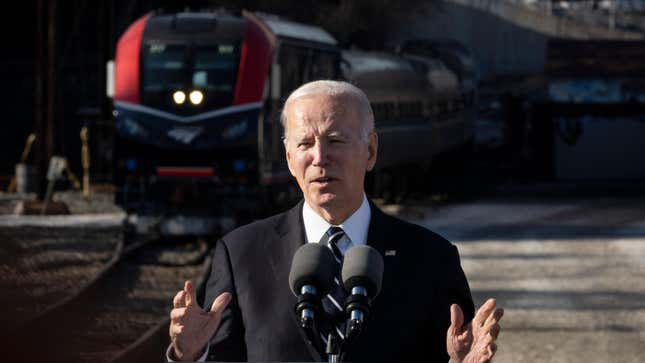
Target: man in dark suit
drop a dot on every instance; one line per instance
(425, 308)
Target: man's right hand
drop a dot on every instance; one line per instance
(191, 327)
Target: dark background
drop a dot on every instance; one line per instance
(54, 63)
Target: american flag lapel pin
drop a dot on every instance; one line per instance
(390, 252)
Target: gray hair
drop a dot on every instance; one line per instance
(333, 89)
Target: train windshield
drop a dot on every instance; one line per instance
(215, 69)
(209, 69)
(164, 67)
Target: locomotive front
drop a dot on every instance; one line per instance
(187, 100)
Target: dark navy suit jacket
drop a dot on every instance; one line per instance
(408, 321)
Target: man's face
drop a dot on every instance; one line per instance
(326, 154)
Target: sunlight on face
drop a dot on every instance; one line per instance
(326, 154)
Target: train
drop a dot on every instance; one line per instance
(424, 99)
(197, 97)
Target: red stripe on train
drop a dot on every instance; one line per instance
(255, 58)
(188, 172)
(127, 62)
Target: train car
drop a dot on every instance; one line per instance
(450, 56)
(422, 113)
(453, 54)
(196, 103)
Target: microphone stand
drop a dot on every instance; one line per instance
(307, 309)
(333, 347)
(359, 305)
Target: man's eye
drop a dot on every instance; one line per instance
(304, 144)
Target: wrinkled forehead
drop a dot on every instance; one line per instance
(322, 114)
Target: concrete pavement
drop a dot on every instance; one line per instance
(570, 273)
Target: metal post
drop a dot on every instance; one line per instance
(85, 159)
(51, 79)
(23, 159)
(39, 127)
(44, 84)
(56, 167)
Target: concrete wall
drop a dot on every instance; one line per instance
(505, 39)
(544, 23)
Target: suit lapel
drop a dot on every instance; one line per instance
(378, 231)
(289, 236)
(381, 237)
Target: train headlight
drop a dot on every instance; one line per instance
(179, 97)
(196, 97)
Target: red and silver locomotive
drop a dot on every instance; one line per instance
(196, 107)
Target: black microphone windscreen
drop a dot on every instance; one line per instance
(363, 266)
(312, 264)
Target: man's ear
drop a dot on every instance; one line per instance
(288, 156)
(372, 149)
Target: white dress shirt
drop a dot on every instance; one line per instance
(355, 228)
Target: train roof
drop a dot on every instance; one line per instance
(200, 26)
(289, 29)
(364, 62)
(452, 52)
(382, 74)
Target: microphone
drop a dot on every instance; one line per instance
(311, 277)
(362, 276)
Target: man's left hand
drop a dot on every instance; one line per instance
(474, 342)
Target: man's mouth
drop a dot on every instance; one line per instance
(323, 180)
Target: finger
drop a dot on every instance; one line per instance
(489, 338)
(492, 323)
(456, 318)
(494, 317)
(177, 314)
(190, 293)
(494, 331)
(490, 350)
(484, 311)
(220, 303)
(175, 330)
(178, 300)
(215, 314)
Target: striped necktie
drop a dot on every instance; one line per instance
(333, 303)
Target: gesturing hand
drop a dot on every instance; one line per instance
(474, 342)
(190, 326)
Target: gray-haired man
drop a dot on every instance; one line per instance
(330, 144)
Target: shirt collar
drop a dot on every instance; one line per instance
(355, 226)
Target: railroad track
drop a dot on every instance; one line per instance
(41, 267)
(128, 300)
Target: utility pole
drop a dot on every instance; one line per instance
(51, 78)
(45, 86)
(41, 162)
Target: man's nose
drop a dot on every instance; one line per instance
(320, 154)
